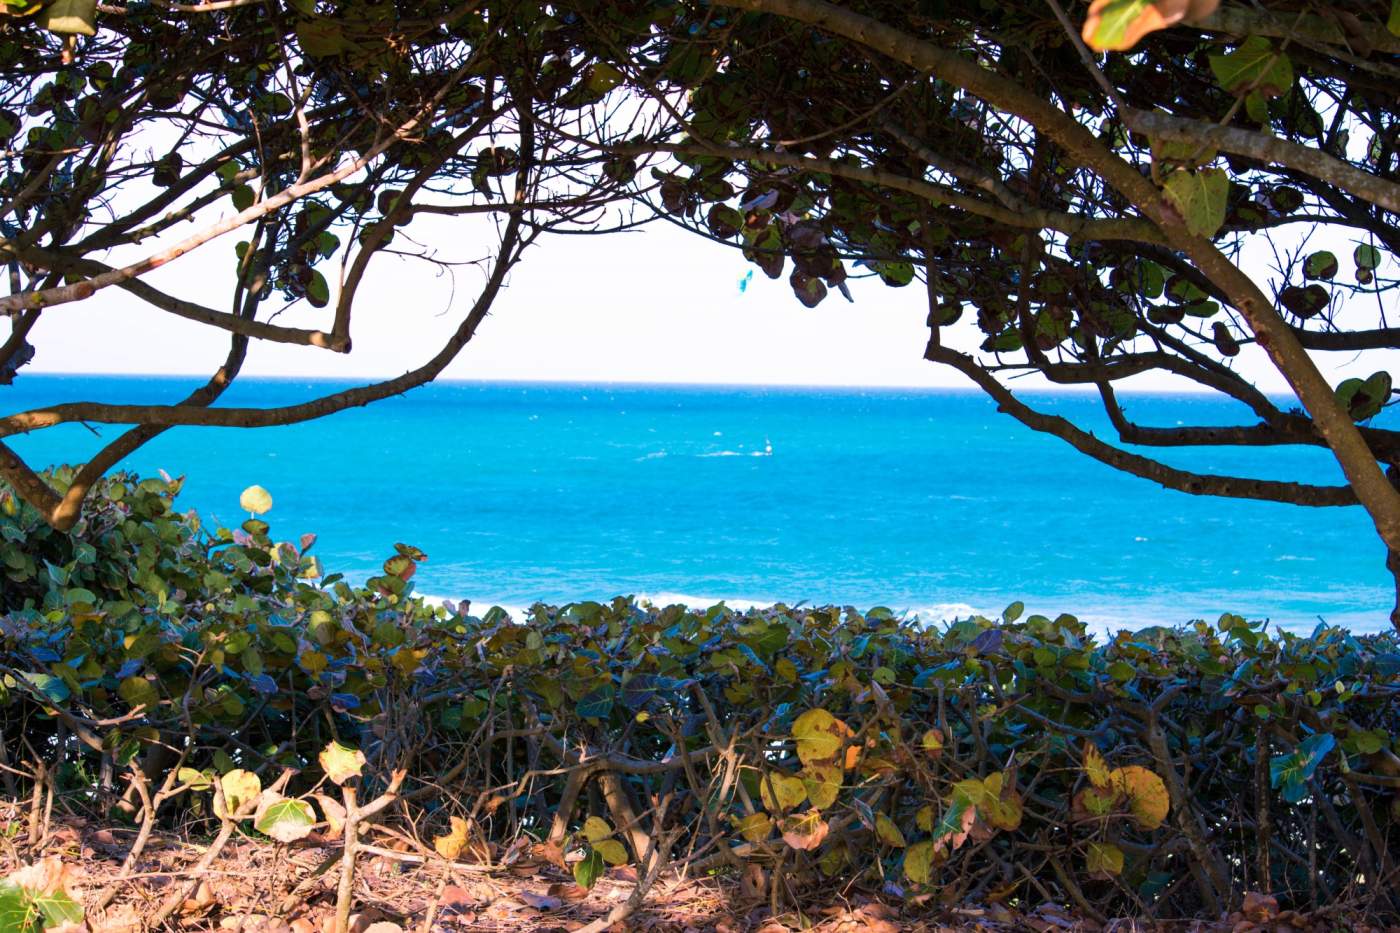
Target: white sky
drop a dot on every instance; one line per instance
(656, 305)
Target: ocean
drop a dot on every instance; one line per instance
(923, 501)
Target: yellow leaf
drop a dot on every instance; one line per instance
(1001, 806)
(823, 783)
(918, 862)
(1147, 794)
(334, 812)
(781, 791)
(255, 499)
(240, 788)
(596, 829)
(972, 790)
(340, 762)
(888, 832)
(1104, 859)
(819, 736)
(1095, 768)
(756, 827)
(924, 818)
(933, 743)
(450, 846)
(612, 851)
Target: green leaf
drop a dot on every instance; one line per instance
(285, 820)
(138, 691)
(1013, 612)
(318, 292)
(1254, 66)
(1320, 265)
(1367, 257)
(1364, 399)
(1294, 770)
(1394, 23)
(50, 687)
(781, 791)
(243, 198)
(602, 78)
(1201, 198)
(197, 780)
(597, 704)
(589, 869)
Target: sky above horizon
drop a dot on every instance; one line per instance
(656, 305)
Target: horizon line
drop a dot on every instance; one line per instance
(626, 383)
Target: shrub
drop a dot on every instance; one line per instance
(1164, 772)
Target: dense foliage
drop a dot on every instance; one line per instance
(1162, 772)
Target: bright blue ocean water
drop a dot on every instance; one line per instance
(917, 500)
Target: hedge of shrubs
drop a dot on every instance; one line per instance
(1160, 773)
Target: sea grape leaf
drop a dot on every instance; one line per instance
(255, 499)
(450, 844)
(1321, 265)
(918, 862)
(819, 736)
(1201, 198)
(781, 791)
(823, 783)
(803, 831)
(755, 827)
(1146, 793)
(1256, 66)
(1364, 398)
(612, 851)
(596, 829)
(70, 17)
(888, 832)
(1118, 25)
(239, 787)
(1293, 771)
(589, 869)
(1104, 859)
(283, 818)
(49, 687)
(341, 763)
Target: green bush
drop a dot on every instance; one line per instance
(1164, 772)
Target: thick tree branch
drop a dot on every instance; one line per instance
(1198, 484)
(1268, 149)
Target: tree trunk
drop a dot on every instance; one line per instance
(1392, 563)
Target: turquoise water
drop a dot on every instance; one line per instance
(919, 500)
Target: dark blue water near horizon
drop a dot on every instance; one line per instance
(923, 500)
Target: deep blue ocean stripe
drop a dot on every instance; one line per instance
(906, 498)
